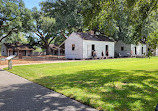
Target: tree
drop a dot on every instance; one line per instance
(55, 22)
(120, 19)
(14, 17)
(45, 28)
(67, 15)
(20, 37)
(152, 41)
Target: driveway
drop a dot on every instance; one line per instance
(19, 94)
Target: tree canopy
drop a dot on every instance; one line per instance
(128, 20)
(43, 32)
(120, 19)
(14, 17)
(66, 12)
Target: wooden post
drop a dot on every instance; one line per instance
(53, 52)
(9, 64)
(8, 52)
(18, 53)
(58, 52)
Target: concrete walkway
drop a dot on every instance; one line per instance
(19, 94)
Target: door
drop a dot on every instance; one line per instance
(93, 49)
(107, 50)
(142, 50)
(135, 50)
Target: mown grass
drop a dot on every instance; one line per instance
(115, 84)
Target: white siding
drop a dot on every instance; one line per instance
(125, 52)
(99, 47)
(138, 49)
(156, 51)
(3, 50)
(130, 48)
(78, 52)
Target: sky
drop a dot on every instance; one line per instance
(32, 3)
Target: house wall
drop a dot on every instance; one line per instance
(156, 51)
(99, 47)
(78, 52)
(139, 49)
(27, 53)
(130, 48)
(125, 52)
(4, 50)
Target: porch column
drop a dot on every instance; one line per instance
(58, 52)
(8, 52)
(53, 52)
(18, 53)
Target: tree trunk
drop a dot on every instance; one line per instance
(48, 50)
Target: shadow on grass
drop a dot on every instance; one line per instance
(108, 89)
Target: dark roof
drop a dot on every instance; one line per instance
(18, 46)
(87, 36)
(55, 47)
(52, 46)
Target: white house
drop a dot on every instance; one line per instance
(122, 49)
(80, 45)
(156, 52)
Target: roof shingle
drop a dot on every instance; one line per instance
(87, 36)
(18, 46)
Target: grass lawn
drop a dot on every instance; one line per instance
(115, 84)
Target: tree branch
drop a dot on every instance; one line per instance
(41, 37)
(63, 35)
(4, 25)
(51, 40)
(9, 33)
(5, 19)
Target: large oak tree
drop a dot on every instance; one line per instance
(14, 17)
(120, 19)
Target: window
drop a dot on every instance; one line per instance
(142, 51)
(93, 47)
(73, 46)
(122, 48)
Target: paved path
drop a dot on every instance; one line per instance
(19, 94)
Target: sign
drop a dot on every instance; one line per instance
(9, 58)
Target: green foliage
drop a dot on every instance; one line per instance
(14, 17)
(152, 41)
(120, 19)
(38, 49)
(16, 37)
(44, 29)
(66, 13)
(109, 85)
(55, 22)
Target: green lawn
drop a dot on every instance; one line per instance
(114, 84)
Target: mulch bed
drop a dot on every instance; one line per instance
(33, 59)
